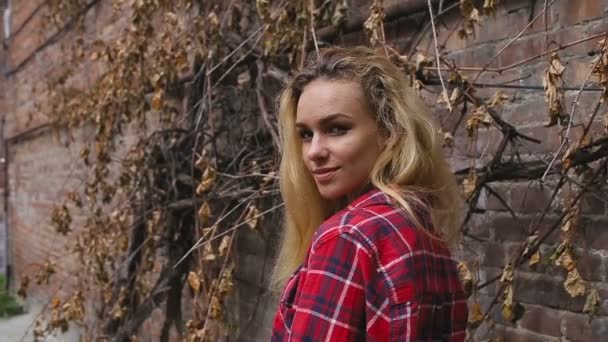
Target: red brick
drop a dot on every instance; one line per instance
(572, 12)
(542, 320)
(576, 327)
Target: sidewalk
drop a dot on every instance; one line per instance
(14, 328)
(20, 328)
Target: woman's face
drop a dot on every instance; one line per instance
(340, 137)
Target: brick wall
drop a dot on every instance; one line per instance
(42, 167)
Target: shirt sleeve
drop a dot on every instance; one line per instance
(330, 305)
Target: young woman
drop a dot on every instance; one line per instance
(371, 206)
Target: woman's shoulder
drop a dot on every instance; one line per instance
(368, 220)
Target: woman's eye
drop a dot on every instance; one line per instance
(337, 130)
(305, 135)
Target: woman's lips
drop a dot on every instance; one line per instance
(324, 175)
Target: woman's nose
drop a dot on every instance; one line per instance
(317, 149)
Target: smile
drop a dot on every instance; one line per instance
(324, 175)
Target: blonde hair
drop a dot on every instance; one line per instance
(411, 169)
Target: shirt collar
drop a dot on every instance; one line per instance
(372, 197)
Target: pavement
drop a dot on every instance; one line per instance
(20, 328)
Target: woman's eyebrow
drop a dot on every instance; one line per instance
(325, 120)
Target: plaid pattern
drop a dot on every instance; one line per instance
(370, 275)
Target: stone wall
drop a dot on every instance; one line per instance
(43, 167)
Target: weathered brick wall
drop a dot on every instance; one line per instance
(42, 167)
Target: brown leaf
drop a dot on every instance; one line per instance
(223, 248)
(204, 212)
(243, 78)
(507, 274)
(252, 217)
(216, 308)
(507, 305)
(194, 282)
(535, 258)
(592, 303)
(208, 253)
(207, 181)
(469, 184)
(476, 315)
(201, 163)
(448, 139)
(574, 284)
(157, 99)
(466, 278)
(565, 260)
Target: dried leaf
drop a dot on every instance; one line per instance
(592, 303)
(554, 92)
(215, 311)
(574, 284)
(507, 274)
(208, 253)
(243, 78)
(530, 243)
(194, 282)
(497, 100)
(470, 18)
(339, 15)
(201, 163)
(535, 258)
(373, 24)
(23, 286)
(476, 315)
(252, 217)
(456, 93)
(157, 99)
(448, 139)
(566, 260)
(223, 248)
(466, 278)
(204, 212)
(469, 184)
(207, 181)
(507, 305)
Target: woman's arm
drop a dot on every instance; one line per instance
(330, 304)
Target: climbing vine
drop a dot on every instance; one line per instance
(182, 145)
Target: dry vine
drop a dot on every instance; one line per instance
(192, 78)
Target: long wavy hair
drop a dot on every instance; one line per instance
(411, 169)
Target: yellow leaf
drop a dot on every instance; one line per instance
(216, 308)
(201, 163)
(243, 78)
(507, 305)
(507, 274)
(469, 184)
(592, 303)
(556, 66)
(207, 181)
(252, 217)
(574, 284)
(203, 213)
(224, 245)
(194, 282)
(55, 303)
(455, 95)
(476, 314)
(535, 258)
(208, 254)
(565, 260)
(466, 278)
(157, 99)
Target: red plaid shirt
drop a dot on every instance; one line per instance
(371, 275)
